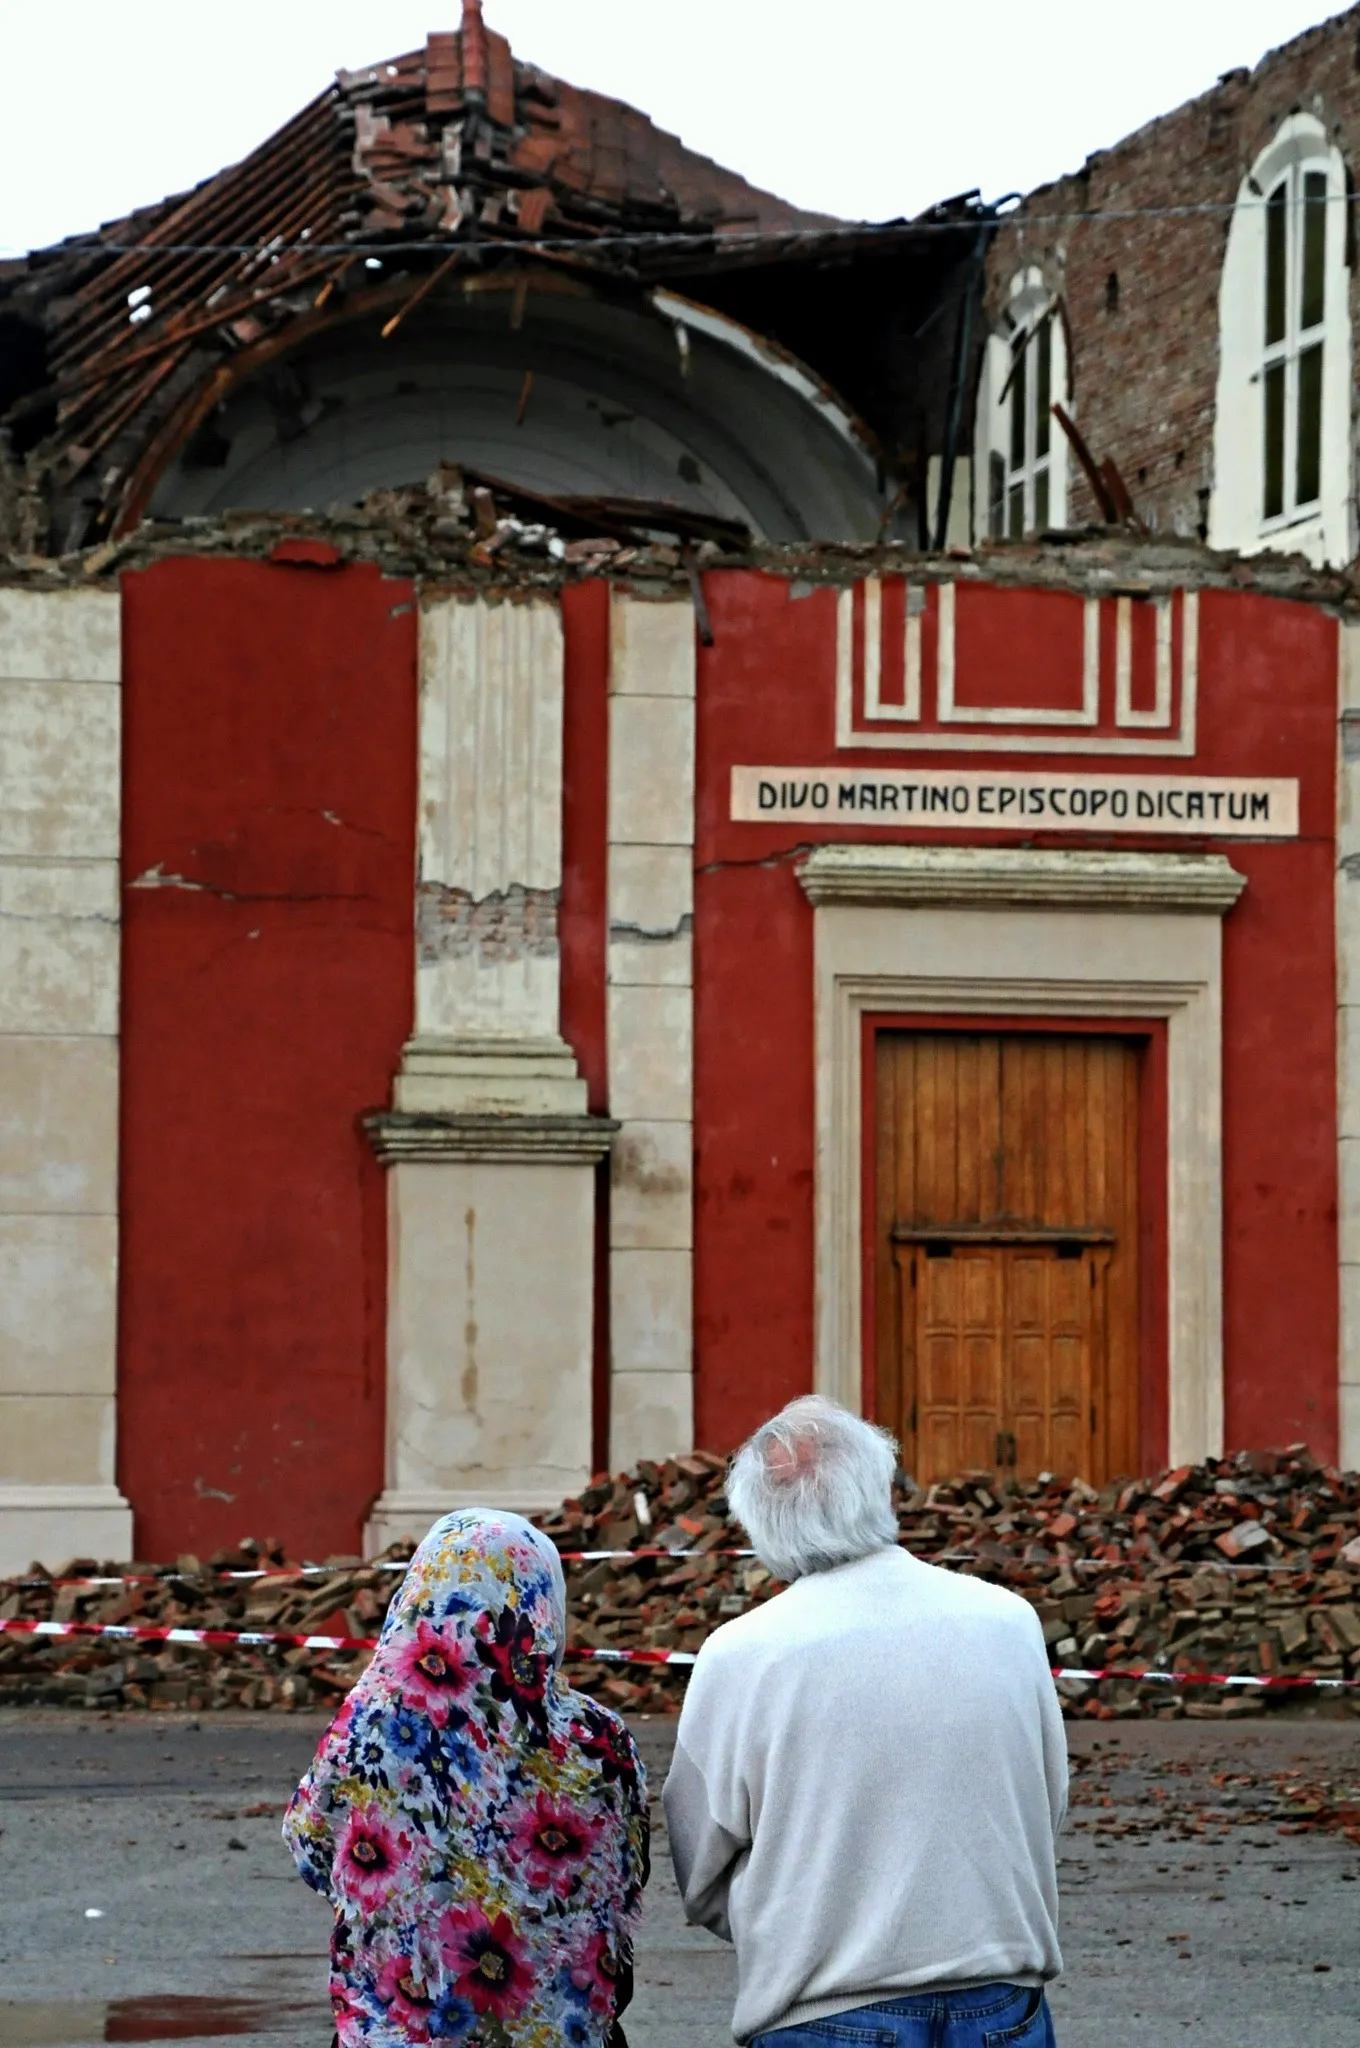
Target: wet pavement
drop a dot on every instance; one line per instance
(144, 1891)
(145, 1895)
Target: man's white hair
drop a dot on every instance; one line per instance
(813, 1488)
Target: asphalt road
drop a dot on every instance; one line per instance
(1183, 1919)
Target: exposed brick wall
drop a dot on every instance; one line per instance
(1144, 354)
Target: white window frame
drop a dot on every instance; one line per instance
(1298, 337)
(1021, 465)
(1321, 525)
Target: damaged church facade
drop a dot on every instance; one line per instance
(552, 900)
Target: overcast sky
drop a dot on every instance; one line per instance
(865, 108)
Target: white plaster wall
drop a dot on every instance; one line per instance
(490, 814)
(489, 1339)
(1348, 1038)
(59, 845)
(651, 1026)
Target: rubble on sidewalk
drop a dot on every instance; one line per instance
(1120, 1797)
(1247, 1566)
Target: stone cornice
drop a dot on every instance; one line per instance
(402, 1136)
(985, 877)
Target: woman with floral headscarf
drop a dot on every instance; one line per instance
(480, 1830)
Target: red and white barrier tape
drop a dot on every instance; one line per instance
(1140, 1567)
(339, 1571)
(253, 1639)
(1255, 1682)
(217, 1638)
(221, 1638)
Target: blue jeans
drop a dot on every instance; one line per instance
(994, 2016)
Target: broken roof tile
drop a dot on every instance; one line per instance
(443, 73)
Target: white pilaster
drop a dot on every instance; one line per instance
(1348, 1037)
(490, 1151)
(490, 864)
(651, 1026)
(59, 843)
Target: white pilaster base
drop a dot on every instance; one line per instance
(52, 1524)
(490, 1328)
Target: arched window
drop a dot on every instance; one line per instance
(1021, 469)
(1282, 419)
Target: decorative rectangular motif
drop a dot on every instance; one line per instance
(948, 799)
(968, 668)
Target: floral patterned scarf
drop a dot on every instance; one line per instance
(480, 1830)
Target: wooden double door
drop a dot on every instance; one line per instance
(1007, 1252)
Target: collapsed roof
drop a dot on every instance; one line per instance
(388, 278)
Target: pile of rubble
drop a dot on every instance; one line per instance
(1246, 1566)
(460, 524)
(470, 530)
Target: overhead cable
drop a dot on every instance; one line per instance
(585, 244)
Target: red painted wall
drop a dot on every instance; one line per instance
(270, 801)
(583, 918)
(1268, 695)
(763, 696)
(1267, 707)
(269, 857)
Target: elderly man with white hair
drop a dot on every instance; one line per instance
(870, 1771)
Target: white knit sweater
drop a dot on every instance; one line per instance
(869, 1779)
